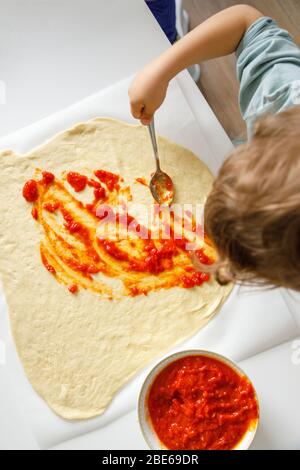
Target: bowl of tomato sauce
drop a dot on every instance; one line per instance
(198, 400)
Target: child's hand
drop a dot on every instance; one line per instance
(147, 92)
(217, 36)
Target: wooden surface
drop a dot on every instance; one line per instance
(218, 80)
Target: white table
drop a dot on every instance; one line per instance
(54, 53)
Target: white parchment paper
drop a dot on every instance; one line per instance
(249, 322)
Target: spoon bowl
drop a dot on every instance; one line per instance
(161, 185)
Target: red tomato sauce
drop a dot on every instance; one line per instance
(201, 403)
(30, 191)
(142, 181)
(73, 288)
(51, 206)
(34, 213)
(77, 181)
(93, 183)
(74, 253)
(110, 179)
(47, 178)
(46, 263)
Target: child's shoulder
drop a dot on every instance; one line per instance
(268, 68)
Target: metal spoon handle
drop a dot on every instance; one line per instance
(151, 129)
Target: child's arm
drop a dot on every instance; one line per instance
(216, 37)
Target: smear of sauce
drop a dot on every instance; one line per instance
(82, 249)
(142, 181)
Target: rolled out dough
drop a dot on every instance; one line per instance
(79, 350)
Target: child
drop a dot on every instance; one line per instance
(253, 212)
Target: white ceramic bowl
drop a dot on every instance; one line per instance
(143, 412)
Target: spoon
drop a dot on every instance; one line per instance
(161, 185)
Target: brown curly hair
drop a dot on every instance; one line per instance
(253, 212)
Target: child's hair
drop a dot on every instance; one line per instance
(253, 212)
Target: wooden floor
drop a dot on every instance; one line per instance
(218, 80)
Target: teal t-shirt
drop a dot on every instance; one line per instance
(268, 69)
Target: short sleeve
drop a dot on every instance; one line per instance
(268, 69)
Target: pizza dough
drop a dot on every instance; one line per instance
(79, 350)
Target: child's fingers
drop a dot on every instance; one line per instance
(139, 111)
(146, 117)
(145, 122)
(136, 108)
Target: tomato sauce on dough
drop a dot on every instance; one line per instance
(76, 255)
